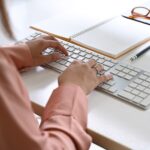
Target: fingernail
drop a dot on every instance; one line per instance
(67, 54)
(60, 54)
(110, 75)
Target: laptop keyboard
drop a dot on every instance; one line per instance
(129, 83)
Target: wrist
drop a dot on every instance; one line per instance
(76, 85)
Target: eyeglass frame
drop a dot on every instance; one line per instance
(135, 15)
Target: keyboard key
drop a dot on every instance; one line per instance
(147, 74)
(127, 95)
(143, 77)
(121, 74)
(115, 72)
(80, 58)
(143, 95)
(95, 58)
(93, 53)
(137, 70)
(82, 53)
(106, 68)
(49, 50)
(58, 66)
(128, 77)
(112, 89)
(29, 38)
(125, 70)
(148, 79)
(70, 59)
(83, 50)
(124, 65)
(133, 85)
(36, 34)
(107, 59)
(137, 99)
(146, 102)
(85, 60)
(146, 84)
(133, 73)
(63, 62)
(70, 53)
(88, 56)
(75, 56)
(70, 49)
(135, 92)
(105, 86)
(140, 87)
(76, 51)
(100, 56)
(147, 90)
(130, 67)
(119, 68)
(109, 64)
(100, 61)
(113, 61)
(138, 81)
(67, 47)
(128, 89)
(110, 82)
(72, 45)
(67, 64)
(45, 53)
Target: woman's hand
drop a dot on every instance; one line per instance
(40, 44)
(84, 75)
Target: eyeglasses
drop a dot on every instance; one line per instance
(140, 12)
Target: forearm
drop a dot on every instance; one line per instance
(20, 55)
(66, 112)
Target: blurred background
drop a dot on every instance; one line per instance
(24, 13)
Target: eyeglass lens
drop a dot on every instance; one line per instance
(141, 11)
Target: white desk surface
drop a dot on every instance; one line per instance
(110, 118)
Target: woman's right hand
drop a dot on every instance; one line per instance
(84, 75)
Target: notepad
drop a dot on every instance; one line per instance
(112, 38)
(115, 37)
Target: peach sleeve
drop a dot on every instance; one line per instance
(64, 119)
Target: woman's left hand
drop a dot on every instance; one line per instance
(40, 44)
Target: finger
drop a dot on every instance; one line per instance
(76, 62)
(51, 58)
(104, 78)
(56, 45)
(98, 68)
(49, 37)
(46, 37)
(91, 63)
